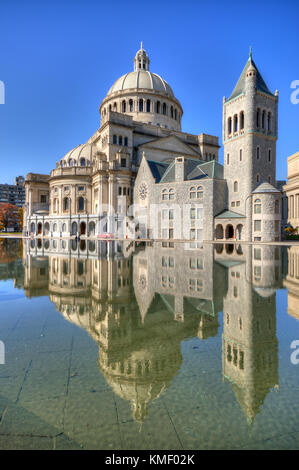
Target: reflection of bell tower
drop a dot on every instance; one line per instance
(250, 347)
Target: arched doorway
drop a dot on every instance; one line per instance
(92, 228)
(74, 228)
(229, 249)
(39, 228)
(219, 248)
(229, 232)
(239, 231)
(82, 228)
(82, 245)
(46, 228)
(219, 232)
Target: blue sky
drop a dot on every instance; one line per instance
(59, 58)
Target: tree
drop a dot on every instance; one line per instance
(9, 217)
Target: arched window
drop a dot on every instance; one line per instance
(148, 106)
(141, 105)
(131, 107)
(164, 109)
(110, 107)
(242, 122)
(63, 227)
(120, 140)
(124, 106)
(66, 204)
(164, 194)
(192, 192)
(199, 192)
(257, 178)
(258, 114)
(171, 112)
(236, 186)
(175, 114)
(83, 162)
(257, 206)
(269, 179)
(257, 153)
(80, 204)
(126, 141)
(269, 121)
(269, 155)
(241, 156)
(263, 119)
(158, 105)
(71, 162)
(114, 107)
(167, 194)
(115, 139)
(235, 123)
(229, 125)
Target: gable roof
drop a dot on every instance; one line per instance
(171, 143)
(240, 86)
(165, 172)
(229, 215)
(157, 169)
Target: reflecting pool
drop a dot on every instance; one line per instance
(119, 345)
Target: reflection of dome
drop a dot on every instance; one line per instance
(141, 79)
(140, 376)
(264, 291)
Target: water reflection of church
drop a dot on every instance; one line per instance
(140, 308)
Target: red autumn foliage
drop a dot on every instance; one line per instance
(9, 216)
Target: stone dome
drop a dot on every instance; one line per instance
(78, 156)
(143, 95)
(141, 79)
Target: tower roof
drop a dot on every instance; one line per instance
(260, 83)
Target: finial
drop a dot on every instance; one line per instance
(141, 47)
(250, 52)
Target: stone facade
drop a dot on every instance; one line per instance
(90, 191)
(292, 190)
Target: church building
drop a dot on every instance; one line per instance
(140, 158)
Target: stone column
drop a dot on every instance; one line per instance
(111, 202)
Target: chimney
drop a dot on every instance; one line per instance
(180, 169)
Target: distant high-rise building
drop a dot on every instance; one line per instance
(13, 193)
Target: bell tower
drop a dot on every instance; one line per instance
(250, 133)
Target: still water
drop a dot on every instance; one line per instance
(110, 345)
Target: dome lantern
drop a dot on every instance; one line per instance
(141, 60)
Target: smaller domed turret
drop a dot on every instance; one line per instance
(141, 60)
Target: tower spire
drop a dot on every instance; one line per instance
(141, 61)
(250, 52)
